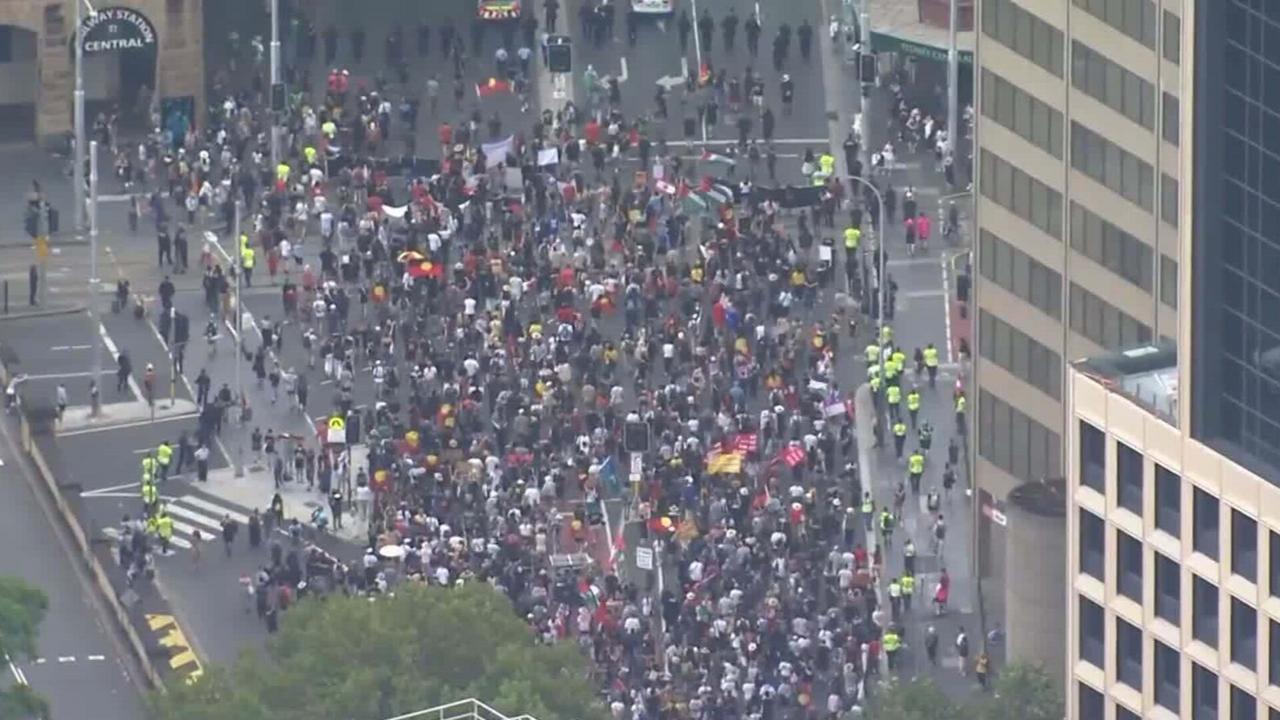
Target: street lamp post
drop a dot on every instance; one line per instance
(275, 81)
(880, 235)
(95, 376)
(78, 120)
(239, 335)
(953, 81)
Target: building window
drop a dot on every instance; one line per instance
(1204, 611)
(1204, 531)
(1273, 572)
(1168, 667)
(1093, 457)
(1168, 589)
(1128, 654)
(1014, 442)
(1169, 200)
(1273, 653)
(1128, 478)
(1111, 247)
(1023, 32)
(1244, 546)
(1091, 703)
(1015, 351)
(1243, 705)
(1020, 194)
(1129, 566)
(1124, 713)
(1112, 85)
(1172, 38)
(1020, 274)
(1135, 18)
(1092, 632)
(1169, 281)
(1022, 113)
(1170, 122)
(1112, 166)
(1244, 634)
(1104, 324)
(1093, 543)
(1204, 693)
(1168, 501)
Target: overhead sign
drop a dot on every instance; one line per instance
(337, 431)
(117, 28)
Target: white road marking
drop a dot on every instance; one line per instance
(139, 423)
(218, 510)
(195, 517)
(97, 657)
(66, 658)
(110, 345)
(942, 293)
(64, 376)
(946, 294)
(63, 348)
(776, 141)
(117, 198)
(112, 489)
(623, 75)
(41, 661)
(18, 676)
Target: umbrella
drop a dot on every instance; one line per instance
(410, 256)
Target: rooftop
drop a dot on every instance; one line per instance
(898, 26)
(1147, 375)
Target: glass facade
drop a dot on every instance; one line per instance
(1236, 276)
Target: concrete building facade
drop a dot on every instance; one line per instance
(1078, 164)
(139, 49)
(1173, 467)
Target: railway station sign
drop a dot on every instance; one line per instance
(117, 28)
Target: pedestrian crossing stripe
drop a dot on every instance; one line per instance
(182, 659)
(190, 513)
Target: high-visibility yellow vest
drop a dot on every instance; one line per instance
(873, 353)
(931, 356)
(149, 493)
(852, 236)
(900, 429)
(908, 585)
(164, 454)
(886, 334)
(960, 404)
(867, 507)
(892, 643)
(916, 464)
(893, 394)
(164, 526)
(913, 401)
(247, 258)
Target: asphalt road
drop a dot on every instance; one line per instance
(657, 55)
(80, 668)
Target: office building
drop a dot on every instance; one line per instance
(1078, 165)
(1173, 457)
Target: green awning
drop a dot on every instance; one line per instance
(881, 42)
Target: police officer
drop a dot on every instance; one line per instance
(164, 529)
(148, 468)
(915, 470)
(895, 599)
(873, 354)
(886, 527)
(892, 645)
(150, 497)
(893, 396)
(961, 405)
(931, 363)
(899, 438)
(164, 456)
(247, 259)
(886, 334)
(868, 511)
(908, 590)
(913, 405)
(909, 557)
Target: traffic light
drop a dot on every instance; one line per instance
(559, 54)
(277, 97)
(867, 67)
(181, 328)
(31, 221)
(635, 436)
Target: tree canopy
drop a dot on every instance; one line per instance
(1019, 692)
(350, 657)
(22, 608)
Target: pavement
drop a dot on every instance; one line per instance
(80, 667)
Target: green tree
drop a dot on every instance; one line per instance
(22, 608)
(1021, 691)
(352, 658)
(910, 700)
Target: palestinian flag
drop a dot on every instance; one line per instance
(492, 86)
(708, 156)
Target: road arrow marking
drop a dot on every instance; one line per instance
(622, 76)
(669, 82)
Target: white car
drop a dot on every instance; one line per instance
(653, 7)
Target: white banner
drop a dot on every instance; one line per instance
(548, 156)
(497, 151)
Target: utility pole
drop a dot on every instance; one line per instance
(78, 120)
(953, 82)
(239, 338)
(275, 82)
(95, 367)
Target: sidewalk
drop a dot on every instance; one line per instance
(256, 488)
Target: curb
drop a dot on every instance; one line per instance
(51, 312)
(96, 570)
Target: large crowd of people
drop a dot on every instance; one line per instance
(491, 323)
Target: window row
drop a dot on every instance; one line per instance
(1130, 478)
(1019, 273)
(1169, 200)
(1021, 112)
(1021, 194)
(1023, 32)
(1135, 18)
(1169, 281)
(1113, 85)
(1104, 324)
(1015, 351)
(1111, 247)
(1015, 443)
(1119, 170)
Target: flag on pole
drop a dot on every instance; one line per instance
(708, 156)
(793, 455)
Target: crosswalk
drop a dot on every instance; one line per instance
(191, 513)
